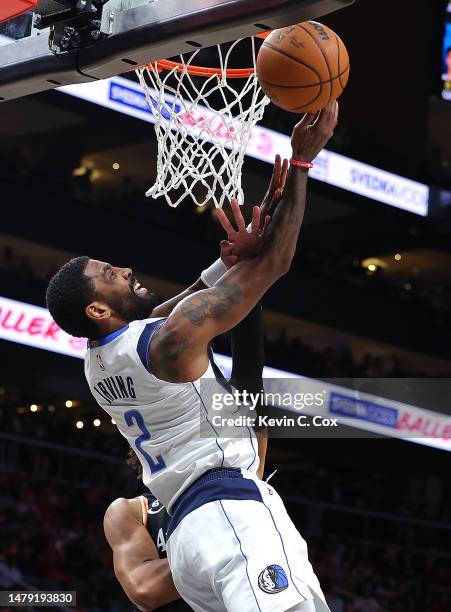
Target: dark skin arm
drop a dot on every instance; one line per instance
(165, 309)
(247, 370)
(247, 337)
(178, 351)
(248, 350)
(145, 578)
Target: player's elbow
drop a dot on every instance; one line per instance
(281, 265)
(284, 265)
(146, 597)
(275, 265)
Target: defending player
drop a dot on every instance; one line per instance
(152, 376)
(136, 528)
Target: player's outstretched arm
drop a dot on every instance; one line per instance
(145, 578)
(245, 241)
(178, 351)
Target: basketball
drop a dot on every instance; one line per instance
(303, 67)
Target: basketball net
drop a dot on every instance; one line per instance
(203, 121)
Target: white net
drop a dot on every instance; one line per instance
(203, 125)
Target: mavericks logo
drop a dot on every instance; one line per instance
(273, 579)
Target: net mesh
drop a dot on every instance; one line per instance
(203, 125)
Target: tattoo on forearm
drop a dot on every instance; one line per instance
(213, 304)
(288, 216)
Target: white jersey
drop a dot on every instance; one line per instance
(168, 425)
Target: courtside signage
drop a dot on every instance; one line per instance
(33, 326)
(391, 418)
(127, 97)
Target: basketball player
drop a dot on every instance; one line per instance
(154, 377)
(136, 528)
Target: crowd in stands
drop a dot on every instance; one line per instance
(34, 167)
(412, 493)
(52, 538)
(283, 352)
(336, 361)
(58, 424)
(380, 579)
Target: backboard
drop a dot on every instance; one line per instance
(85, 40)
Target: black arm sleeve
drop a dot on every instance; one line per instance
(248, 355)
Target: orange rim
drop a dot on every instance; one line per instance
(204, 71)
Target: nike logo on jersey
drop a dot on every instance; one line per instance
(114, 387)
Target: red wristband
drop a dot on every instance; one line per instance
(301, 164)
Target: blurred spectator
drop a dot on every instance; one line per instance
(10, 576)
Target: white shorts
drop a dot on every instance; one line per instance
(232, 547)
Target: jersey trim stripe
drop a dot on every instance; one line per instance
(283, 548)
(215, 485)
(107, 339)
(243, 555)
(221, 379)
(209, 422)
(145, 340)
(253, 448)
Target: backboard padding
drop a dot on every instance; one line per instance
(147, 32)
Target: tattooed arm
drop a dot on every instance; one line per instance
(243, 243)
(165, 309)
(178, 352)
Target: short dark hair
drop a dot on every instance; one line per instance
(68, 293)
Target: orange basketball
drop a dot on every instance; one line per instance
(303, 67)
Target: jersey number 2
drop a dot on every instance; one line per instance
(134, 417)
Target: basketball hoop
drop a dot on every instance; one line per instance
(203, 122)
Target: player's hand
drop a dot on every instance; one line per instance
(241, 243)
(276, 187)
(313, 132)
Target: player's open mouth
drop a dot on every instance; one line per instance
(138, 290)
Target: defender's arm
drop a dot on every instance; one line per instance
(145, 578)
(262, 442)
